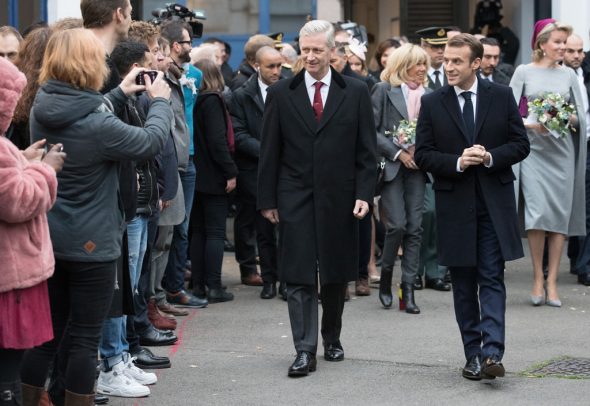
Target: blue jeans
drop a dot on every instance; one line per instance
(173, 280)
(114, 332)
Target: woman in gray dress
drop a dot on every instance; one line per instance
(397, 98)
(552, 176)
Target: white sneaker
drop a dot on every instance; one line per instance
(117, 383)
(142, 377)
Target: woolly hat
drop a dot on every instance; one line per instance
(539, 25)
(12, 83)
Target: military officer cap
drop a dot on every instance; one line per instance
(434, 35)
(278, 38)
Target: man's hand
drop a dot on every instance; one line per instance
(230, 185)
(271, 215)
(361, 208)
(35, 151)
(473, 156)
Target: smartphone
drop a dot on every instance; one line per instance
(151, 73)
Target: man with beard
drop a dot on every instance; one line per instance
(247, 109)
(178, 35)
(489, 64)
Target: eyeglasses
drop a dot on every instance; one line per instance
(185, 42)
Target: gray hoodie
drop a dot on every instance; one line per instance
(87, 222)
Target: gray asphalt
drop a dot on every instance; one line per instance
(237, 353)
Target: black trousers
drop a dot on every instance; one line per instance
(80, 295)
(365, 231)
(208, 234)
(302, 301)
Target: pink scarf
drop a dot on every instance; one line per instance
(415, 92)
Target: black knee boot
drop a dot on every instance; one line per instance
(408, 298)
(385, 295)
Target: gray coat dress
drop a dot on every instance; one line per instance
(552, 177)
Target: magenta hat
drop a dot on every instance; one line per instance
(539, 25)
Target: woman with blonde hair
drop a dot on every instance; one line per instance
(552, 176)
(86, 223)
(397, 98)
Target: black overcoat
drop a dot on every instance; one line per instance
(440, 140)
(313, 173)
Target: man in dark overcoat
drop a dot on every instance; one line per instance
(469, 134)
(316, 177)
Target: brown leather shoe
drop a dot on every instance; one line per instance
(76, 399)
(160, 322)
(253, 279)
(170, 309)
(362, 287)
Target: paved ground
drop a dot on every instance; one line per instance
(237, 353)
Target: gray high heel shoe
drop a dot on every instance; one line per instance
(553, 303)
(537, 300)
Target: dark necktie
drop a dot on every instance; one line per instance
(318, 106)
(437, 82)
(468, 115)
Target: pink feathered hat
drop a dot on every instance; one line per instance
(12, 83)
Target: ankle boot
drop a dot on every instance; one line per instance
(76, 399)
(157, 319)
(31, 394)
(385, 295)
(10, 394)
(408, 298)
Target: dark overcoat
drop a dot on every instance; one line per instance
(313, 173)
(440, 140)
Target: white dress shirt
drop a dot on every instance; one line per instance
(441, 75)
(310, 86)
(473, 90)
(263, 89)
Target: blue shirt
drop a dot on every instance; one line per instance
(190, 92)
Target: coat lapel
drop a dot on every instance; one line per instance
(483, 104)
(301, 103)
(451, 103)
(396, 96)
(335, 97)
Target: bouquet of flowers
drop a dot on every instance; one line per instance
(553, 112)
(404, 136)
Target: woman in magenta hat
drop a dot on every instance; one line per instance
(552, 176)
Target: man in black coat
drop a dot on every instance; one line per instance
(469, 134)
(246, 111)
(247, 68)
(489, 63)
(316, 177)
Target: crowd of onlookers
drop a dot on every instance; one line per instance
(134, 146)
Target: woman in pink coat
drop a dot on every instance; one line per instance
(28, 188)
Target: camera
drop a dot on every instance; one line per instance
(140, 80)
(175, 11)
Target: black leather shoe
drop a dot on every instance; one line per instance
(220, 295)
(333, 352)
(438, 284)
(447, 277)
(418, 283)
(154, 338)
(167, 333)
(100, 399)
(491, 368)
(584, 279)
(186, 299)
(472, 369)
(304, 363)
(283, 291)
(145, 359)
(269, 290)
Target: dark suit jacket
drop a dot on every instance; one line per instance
(498, 77)
(313, 173)
(212, 158)
(246, 111)
(440, 140)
